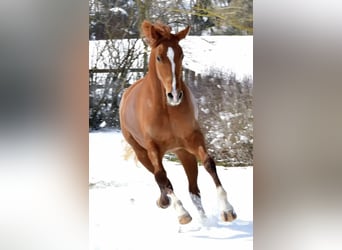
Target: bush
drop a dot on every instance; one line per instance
(225, 116)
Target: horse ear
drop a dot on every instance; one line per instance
(149, 31)
(183, 33)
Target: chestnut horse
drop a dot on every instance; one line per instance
(158, 115)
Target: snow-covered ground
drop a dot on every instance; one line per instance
(122, 204)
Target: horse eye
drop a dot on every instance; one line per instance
(158, 58)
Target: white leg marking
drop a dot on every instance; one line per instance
(178, 206)
(170, 55)
(224, 205)
(198, 204)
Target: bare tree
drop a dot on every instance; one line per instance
(114, 62)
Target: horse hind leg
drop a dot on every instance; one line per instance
(190, 165)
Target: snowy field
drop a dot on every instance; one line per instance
(122, 204)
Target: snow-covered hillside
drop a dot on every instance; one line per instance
(225, 53)
(123, 211)
(201, 53)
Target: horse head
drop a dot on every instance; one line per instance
(166, 58)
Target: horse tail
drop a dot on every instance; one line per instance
(128, 152)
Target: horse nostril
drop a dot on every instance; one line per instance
(170, 95)
(180, 94)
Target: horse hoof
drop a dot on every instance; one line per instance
(228, 216)
(163, 204)
(184, 219)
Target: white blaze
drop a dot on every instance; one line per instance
(170, 55)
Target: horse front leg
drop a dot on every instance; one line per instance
(190, 166)
(197, 145)
(227, 210)
(167, 195)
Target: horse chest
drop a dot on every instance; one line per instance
(170, 129)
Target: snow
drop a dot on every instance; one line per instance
(122, 203)
(119, 10)
(225, 53)
(229, 54)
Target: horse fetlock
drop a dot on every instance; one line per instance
(163, 202)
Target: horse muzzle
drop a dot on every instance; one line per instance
(174, 98)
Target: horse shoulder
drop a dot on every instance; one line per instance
(128, 107)
(131, 89)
